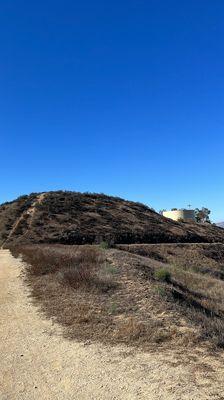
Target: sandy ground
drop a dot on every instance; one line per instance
(38, 363)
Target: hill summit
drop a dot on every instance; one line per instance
(79, 218)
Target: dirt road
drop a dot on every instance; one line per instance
(38, 363)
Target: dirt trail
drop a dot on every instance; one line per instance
(30, 212)
(38, 363)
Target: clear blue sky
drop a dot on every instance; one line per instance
(120, 97)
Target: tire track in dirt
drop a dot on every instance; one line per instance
(29, 212)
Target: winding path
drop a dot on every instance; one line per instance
(30, 212)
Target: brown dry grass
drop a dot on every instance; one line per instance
(195, 282)
(97, 295)
(114, 296)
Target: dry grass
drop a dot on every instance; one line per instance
(114, 296)
(95, 294)
(71, 284)
(195, 282)
(73, 266)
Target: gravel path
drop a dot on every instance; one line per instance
(38, 363)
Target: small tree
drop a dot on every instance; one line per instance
(202, 215)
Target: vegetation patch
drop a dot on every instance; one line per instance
(104, 245)
(116, 296)
(192, 281)
(162, 274)
(95, 294)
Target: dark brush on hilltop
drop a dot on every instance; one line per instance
(84, 218)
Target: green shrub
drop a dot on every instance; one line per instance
(113, 308)
(104, 245)
(110, 269)
(162, 275)
(161, 291)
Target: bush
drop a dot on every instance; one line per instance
(78, 275)
(161, 291)
(162, 275)
(73, 266)
(104, 245)
(76, 263)
(110, 269)
(113, 308)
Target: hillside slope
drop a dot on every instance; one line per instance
(77, 218)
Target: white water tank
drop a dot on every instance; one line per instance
(176, 215)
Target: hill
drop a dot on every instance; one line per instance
(220, 224)
(79, 218)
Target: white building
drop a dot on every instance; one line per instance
(176, 215)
